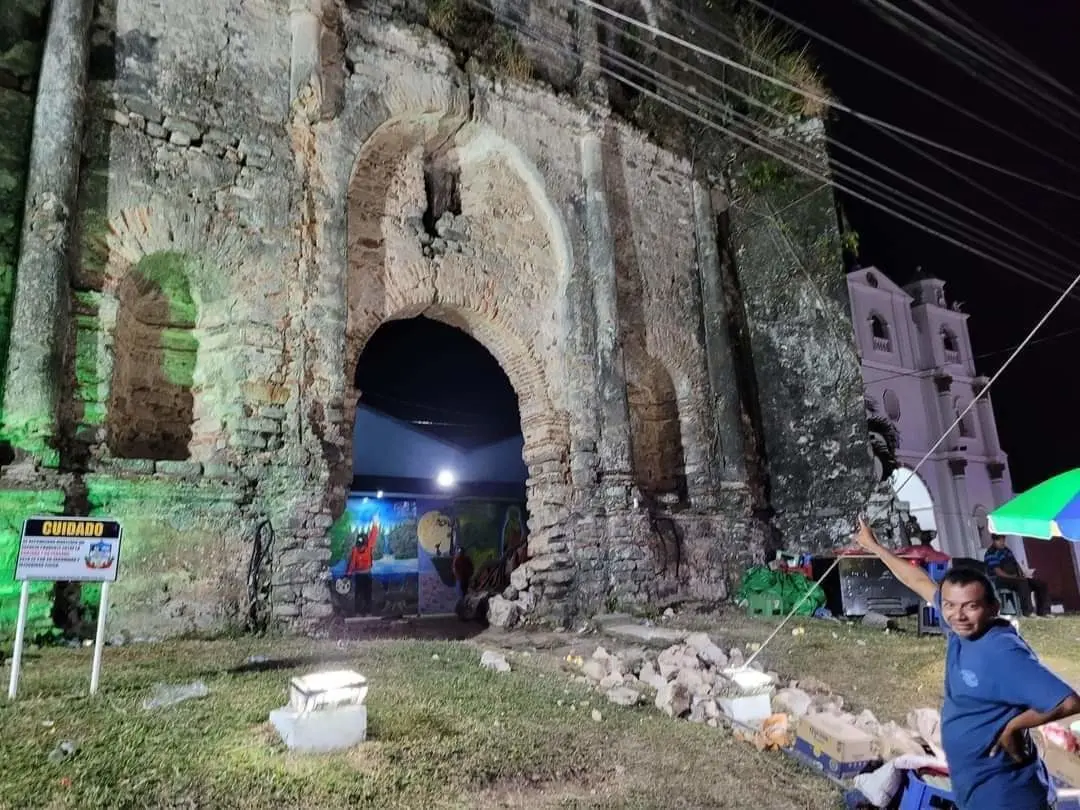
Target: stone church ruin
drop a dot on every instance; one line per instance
(217, 204)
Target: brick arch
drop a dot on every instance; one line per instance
(210, 251)
(504, 283)
(447, 219)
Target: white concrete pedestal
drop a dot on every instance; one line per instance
(322, 730)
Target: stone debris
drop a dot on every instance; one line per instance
(165, 695)
(494, 660)
(64, 751)
(875, 620)
(688, 680)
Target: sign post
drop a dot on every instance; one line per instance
(66, 549)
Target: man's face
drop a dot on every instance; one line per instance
(999, 541)
(966, 608)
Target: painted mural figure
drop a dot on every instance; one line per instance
(463, 569)
(361, 559)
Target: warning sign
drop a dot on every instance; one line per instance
(75, 549)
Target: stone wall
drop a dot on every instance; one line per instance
(22, 31)
(262, 190)
(801, 342)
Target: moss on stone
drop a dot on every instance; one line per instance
(15, 507)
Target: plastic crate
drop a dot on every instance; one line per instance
(763, 604)
(937, 570)
(920, 796)
(929, 621)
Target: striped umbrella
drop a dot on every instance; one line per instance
(1051, 509)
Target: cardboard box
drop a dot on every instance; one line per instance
(838, 748)
(1064, 767)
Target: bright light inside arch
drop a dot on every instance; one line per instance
(445, 479)
(911, 490)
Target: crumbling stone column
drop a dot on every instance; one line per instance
(616, 464)
(306, 57)
(716, 329)
(34, 371)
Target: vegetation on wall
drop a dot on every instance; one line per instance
(473, 33)
(15, 507)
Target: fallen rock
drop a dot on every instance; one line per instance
(611, 681)
(673, 699)
(501, 612)
(713, 656)
(65, 750)
(495, 661)
(699, 641)
(165, 695)
(596, 716)
(792, 701)
(650, 677)
(594, 670)
(875, 620)
(813, 686)
(623, 696)
(632, 658)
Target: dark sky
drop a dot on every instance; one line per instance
(1034, 400)
(424, 371)
(440, 379)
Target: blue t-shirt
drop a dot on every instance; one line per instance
(999, 557)
(988, 682)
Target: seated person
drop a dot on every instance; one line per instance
(1002, 564)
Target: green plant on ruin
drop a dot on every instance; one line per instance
(443, 17)
(771, 50)
(849, 241)
(506, 56)
(472, 32)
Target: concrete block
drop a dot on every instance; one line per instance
(320, 731)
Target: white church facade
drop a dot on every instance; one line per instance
(919, 370)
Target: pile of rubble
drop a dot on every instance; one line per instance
(687, 680)
(693, 680)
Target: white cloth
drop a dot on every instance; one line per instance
(881, 786)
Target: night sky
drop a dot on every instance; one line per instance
(439, 379)
(1034, 400)
(426, 372)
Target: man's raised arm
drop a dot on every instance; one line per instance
(912, 576)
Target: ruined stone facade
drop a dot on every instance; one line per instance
(261, 184)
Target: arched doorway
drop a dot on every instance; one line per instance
(437, 472)
(910, 489)
(448, 221)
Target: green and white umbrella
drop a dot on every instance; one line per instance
(1046, 511)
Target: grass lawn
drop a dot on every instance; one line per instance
(443, 734)
(890, 674)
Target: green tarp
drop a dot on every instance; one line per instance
(788, 588)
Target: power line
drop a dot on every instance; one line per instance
(823, 100)
(783, 158)
(932, 33)
(941, 164)
(805, 29)
(845, 170)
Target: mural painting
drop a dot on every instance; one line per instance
(394, 557)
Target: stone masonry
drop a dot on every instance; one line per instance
(224, 201)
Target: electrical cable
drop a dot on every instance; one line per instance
(1049, 313)
(979, 33)
(1019, 258)
(914, 471)
(865, 60)
(1010, 266)
(941, 164)
(827, 102)
(929, 33)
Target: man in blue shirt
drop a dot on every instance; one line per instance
(1002, 563)
(996, 691)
